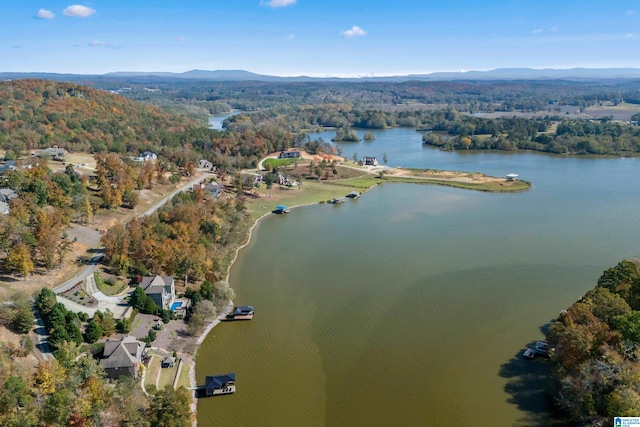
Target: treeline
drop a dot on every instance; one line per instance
(569, 137)
(452, 130)
(468, 96)
(596, 356)
(187, 238)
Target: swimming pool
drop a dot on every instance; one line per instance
(176, 305)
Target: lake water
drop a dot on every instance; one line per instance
(215, 122)
(411, 306)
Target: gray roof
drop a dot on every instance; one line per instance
(6, 194)
(156, 284)
(219, 381)
(122, 353)
(10, 164)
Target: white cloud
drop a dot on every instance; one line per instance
(553, 29)
(537, 31)
(97, 43)
(45, 14)
(79, 11)
(630, 12)
(290, 37)
(181, 39)
(278, 3)
(355, 31)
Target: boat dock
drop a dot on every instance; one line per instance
(243, 312)
(281, 209)
(541, 348)
(217, 385)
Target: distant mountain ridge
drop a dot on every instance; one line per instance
(242, 75)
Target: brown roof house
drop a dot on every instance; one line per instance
(161, 289)
(122, 357)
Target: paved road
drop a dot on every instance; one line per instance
(185, 187)
(86, 272)
(113, 303)
(43, 337)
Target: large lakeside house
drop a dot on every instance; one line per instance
(161, 289)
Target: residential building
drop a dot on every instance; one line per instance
(368, 161)
(122, 357)
(6, 194)
(212, 188)
(205, 164)
(54, 152)
(161, 289)
(290, 154)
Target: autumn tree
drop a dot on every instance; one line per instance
(19, 260)
(170, 408)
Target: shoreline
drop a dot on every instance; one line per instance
(214, 323)
(218, 320)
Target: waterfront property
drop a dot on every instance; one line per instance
(161, 289)
(220, 384)
(122, 357)
(529, 353)
(368, 161)
(353, 195)
(525, 257)
(512, 177)
(243, 312)
(336, 201)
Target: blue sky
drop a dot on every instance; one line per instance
(316, 37)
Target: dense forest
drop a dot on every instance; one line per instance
(596, 356)
(188, 238)
(39, 114)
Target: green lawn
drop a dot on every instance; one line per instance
(106, 288)
(278, 163)
(152, 371)
(166, 376)
(184, 376)
(313, 191)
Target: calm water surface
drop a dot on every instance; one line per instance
(411, 305)
(215, 122)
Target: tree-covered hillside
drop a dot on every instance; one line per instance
(39, 113)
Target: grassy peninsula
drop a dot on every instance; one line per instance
(351, 177)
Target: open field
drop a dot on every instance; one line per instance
(623, 111)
